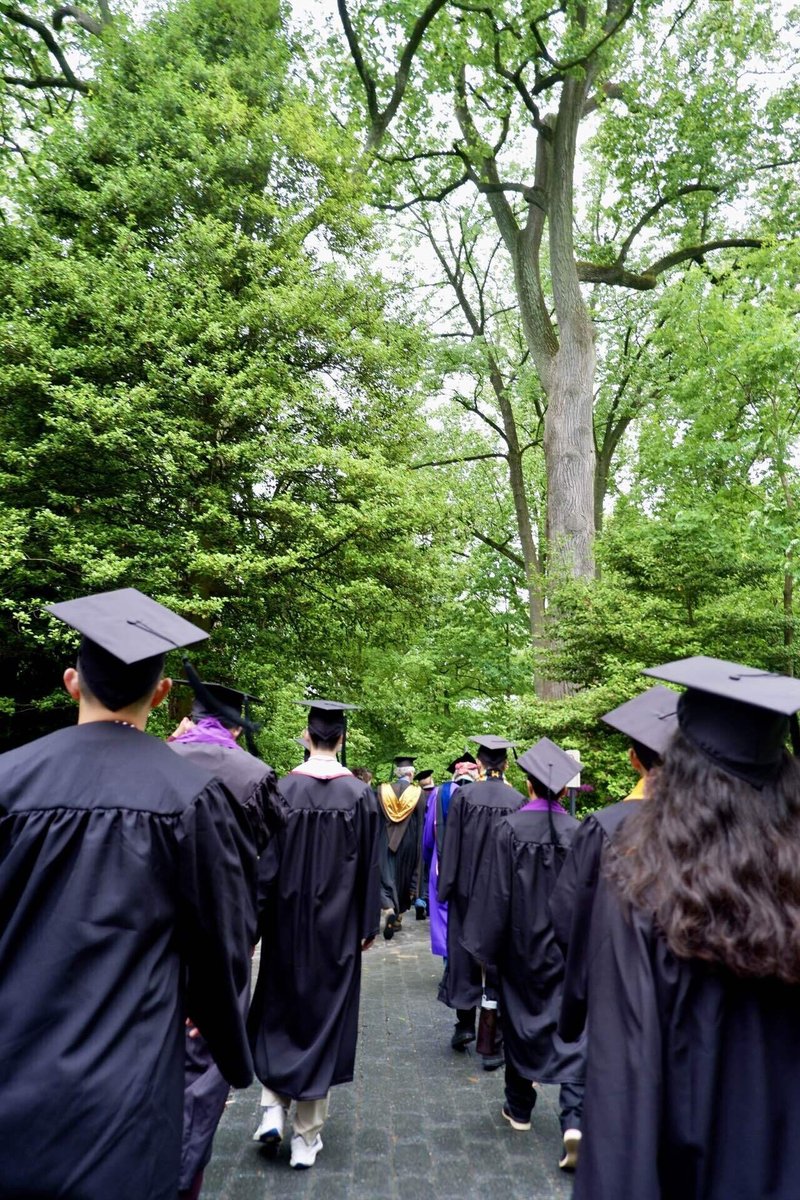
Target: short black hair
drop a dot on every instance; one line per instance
(647, 757)
(324, 743)
(541, 789)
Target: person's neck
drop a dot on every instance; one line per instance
(316, 752)
(90, 713)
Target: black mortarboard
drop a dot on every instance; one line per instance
(327, 719)
(493, 750)
(650, 718)
(737, 716)
(549, 765)
(463, 757)
(404, 760)
(421, 776)
(125, 638)
(228, 704)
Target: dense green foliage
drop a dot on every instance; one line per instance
(217, 385)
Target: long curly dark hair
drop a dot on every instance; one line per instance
(717, 863)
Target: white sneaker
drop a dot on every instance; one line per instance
(270, 1131)
(303, 1155)
(572, 1144)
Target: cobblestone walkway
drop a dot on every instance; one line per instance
(419, 1122)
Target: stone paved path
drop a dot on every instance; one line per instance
(419, 1122)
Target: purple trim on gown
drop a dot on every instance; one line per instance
(539, 805)
(209, 732)
(437, 909)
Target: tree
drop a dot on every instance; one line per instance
(205, 386)
(642, 107)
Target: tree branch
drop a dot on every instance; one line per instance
(517, 559)
(561, 68)
(446, 462)
(87, 22)
(38, 27)
(381, 120)
(697, 252)
(646, 280)
(656, 208)
(432, 198)
(358, 61)
(41, 81)
(608, 91)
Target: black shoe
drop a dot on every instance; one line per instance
(462, 1038)
(391, 927)
(493, 1062)
(421, 913)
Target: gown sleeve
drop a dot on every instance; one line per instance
(265, 810)
(619, 1157)
(571, 905)
(429, 831)
(451, 848)
(489, 909)
(369, 879)
(216, 881)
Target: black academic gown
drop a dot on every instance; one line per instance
(254, 786)
(571, 910)
(693, 1079)
(508, 926)
(471, 822)
(319, 897)
(401, 853)
(125, 903)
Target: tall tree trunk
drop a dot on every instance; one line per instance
(569, 429)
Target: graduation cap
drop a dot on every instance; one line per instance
(228, 704)
(125, 638)
(649, 719)
(327, 719)
(305, 746)
(464, 757)
(737, 716)
(493, 750)
(404, 760)
(423, 776)
(549, 765)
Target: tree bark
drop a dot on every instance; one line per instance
(569, 429)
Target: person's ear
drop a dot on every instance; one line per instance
(163, 689)
(72, 683)
(635, 761)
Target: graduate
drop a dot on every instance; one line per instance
(693, 1070)
(426, 781)
(319, 908)
(508, 926)
(220, 715)
(126, 882)
(472, 817)
(463, 771)
(649, 721)
(402, 805)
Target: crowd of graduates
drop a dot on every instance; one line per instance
(646, 960)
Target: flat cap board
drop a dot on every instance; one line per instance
(650, 718)
(491, 742)
(549, 764)
(127, 624)
(733, 681)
